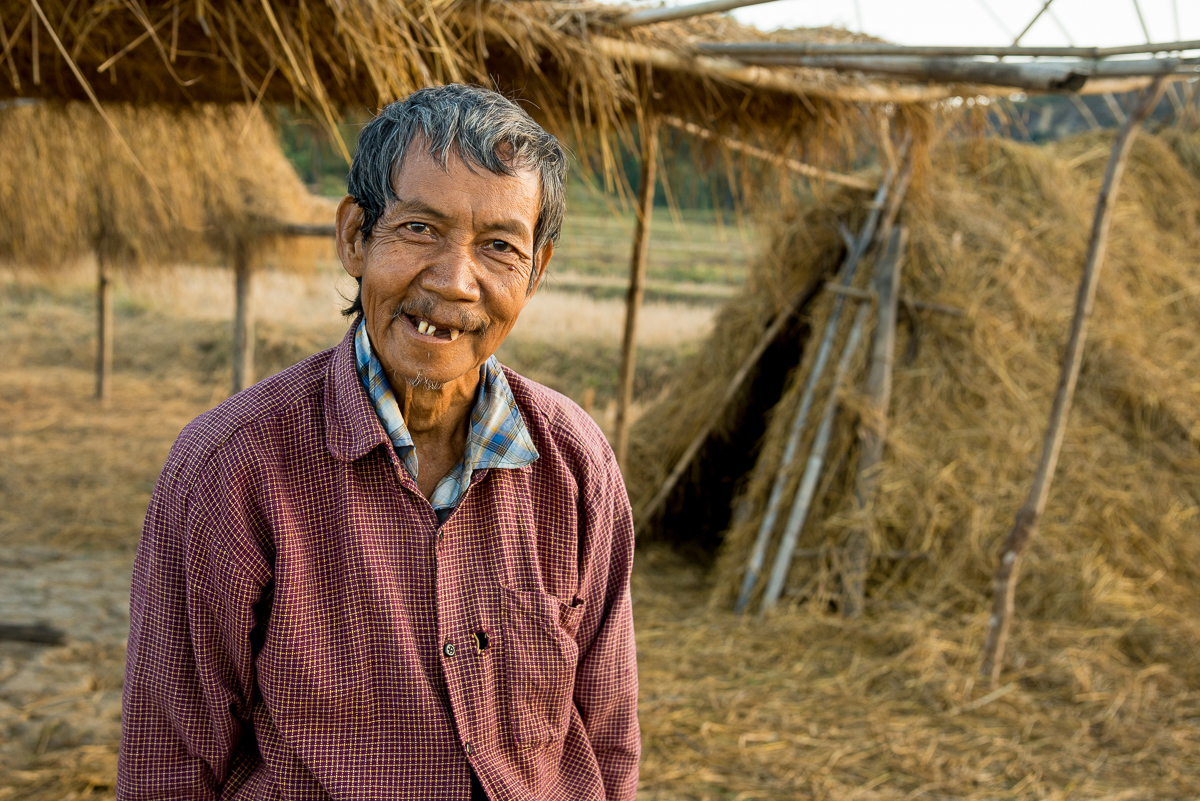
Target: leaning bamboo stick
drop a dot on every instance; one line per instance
(798, 167)
(873, 429)
(812, 470)
(637, 280)
(758, 552)
(731, 389)
(1030, 514)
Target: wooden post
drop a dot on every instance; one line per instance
(873, 430)
(243, 319)
(637, 280)
(104, 329)
(1030, 514)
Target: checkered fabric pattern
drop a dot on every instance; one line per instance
(498, 437)
(302, 626)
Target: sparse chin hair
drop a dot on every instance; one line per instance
(424, 382)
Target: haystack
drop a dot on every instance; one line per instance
(999, 229)
(193, 183)
(142, 186)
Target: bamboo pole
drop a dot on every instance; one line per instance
(637, 281)
(243, 319)
(739, 49)
(1029, 516)
(798, 167)
(812, 470)
(731, 389)
(1037, 76)
(872, 430)
(758, 552)
(104, 329)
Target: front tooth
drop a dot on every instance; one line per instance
(431, 330)
(454, 332)
(421, 326)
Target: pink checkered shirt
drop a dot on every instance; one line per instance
(303, 628)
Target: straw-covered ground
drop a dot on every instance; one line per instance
(1099, 699)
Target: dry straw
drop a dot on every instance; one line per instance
(569, 62)
(1000, 230)
(216, 176)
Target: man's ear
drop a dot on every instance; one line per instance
(543, 264)
(350, 243)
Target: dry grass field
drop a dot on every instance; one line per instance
(799, 705)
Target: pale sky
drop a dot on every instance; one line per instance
(1101, 23)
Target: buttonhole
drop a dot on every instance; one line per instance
(481, 640)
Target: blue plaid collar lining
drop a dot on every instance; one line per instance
(498, 437)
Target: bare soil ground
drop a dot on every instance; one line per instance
(800, 705)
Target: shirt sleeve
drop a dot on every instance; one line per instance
(189, 676)
(606, 685)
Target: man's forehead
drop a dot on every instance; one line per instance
(415, 182)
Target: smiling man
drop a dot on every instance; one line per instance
(397, 570)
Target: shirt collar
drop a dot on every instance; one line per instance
(498, 436)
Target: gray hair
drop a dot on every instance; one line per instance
(481, 127)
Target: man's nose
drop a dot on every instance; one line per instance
(453, 275)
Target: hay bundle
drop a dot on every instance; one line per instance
(1000, 231)
(194, 183)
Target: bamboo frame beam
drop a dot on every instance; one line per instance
(1039, 76)
(637, 281)
(732, 71)
(648, 16)
(798, 167)
(741, 49)
(1029, 516)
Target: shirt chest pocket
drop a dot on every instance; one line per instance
(540, 657)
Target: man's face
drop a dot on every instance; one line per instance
(446, 270)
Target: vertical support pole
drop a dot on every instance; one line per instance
(873, 429)
(104, 329)
(637, 280)
(243, 320)
(1029, 516)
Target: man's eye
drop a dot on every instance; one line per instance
(501, 246)
(417, 228)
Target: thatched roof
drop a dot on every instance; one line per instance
(1000, 230)
(579, 70)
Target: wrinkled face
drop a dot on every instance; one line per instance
(446, 270)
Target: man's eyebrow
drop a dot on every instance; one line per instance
(512, 226)
(416, 207)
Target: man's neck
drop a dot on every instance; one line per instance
(438, 422)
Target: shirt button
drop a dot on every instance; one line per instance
(440, 536)
(467, 748)
(448, 650)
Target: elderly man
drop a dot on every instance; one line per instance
(397, 570)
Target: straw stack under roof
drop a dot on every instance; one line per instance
(1000, 230)
(577, 69)
(194, 183)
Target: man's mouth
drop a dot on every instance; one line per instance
(432, 329)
